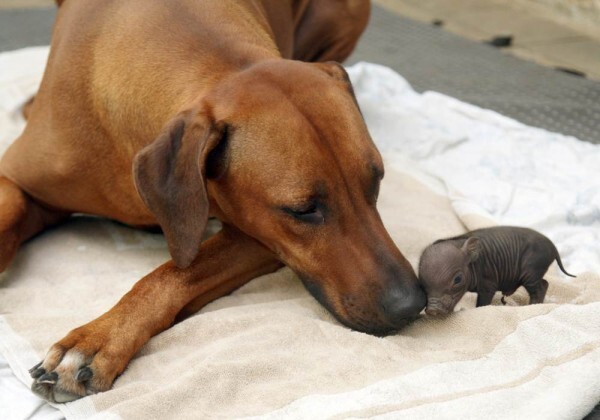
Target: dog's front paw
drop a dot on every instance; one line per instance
(66, 382)
(85, 362)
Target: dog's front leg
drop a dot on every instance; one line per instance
(90, 357)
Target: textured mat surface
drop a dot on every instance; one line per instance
(430, 59)
(25, 27)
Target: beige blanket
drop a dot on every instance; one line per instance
(270, 350)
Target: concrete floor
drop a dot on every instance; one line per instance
(537, 36)
(431, 58)
(25, 4)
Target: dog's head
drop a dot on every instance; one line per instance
(281, 152)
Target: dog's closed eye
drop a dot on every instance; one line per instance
(309, 213)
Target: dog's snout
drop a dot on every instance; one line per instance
(400, 305)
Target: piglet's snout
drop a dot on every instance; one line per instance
(435, 312)
(402, 304)
(438, 306)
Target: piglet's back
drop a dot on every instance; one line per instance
(508, 253)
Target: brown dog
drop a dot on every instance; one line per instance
(165, 112)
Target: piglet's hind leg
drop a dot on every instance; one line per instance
(537, 291)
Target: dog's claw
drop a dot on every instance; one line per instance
(84, 374)
(48, 378)
(48, 387)
(35, 367)
(37, 371)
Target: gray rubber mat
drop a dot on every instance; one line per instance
(433, 59)
(430, 59)
(25, 27)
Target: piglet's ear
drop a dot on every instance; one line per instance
(170, 178)
(472, 248)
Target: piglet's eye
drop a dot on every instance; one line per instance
(457, 279)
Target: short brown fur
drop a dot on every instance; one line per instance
(168, 112)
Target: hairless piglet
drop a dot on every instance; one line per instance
(484, 261)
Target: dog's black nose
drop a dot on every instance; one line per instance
(400, 305)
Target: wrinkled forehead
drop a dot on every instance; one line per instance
(304, 127)
(318, 100)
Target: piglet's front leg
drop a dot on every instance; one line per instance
(90, 357)
(484, 297)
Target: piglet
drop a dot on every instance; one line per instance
(484, 261)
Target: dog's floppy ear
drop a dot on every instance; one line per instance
(170, 178)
